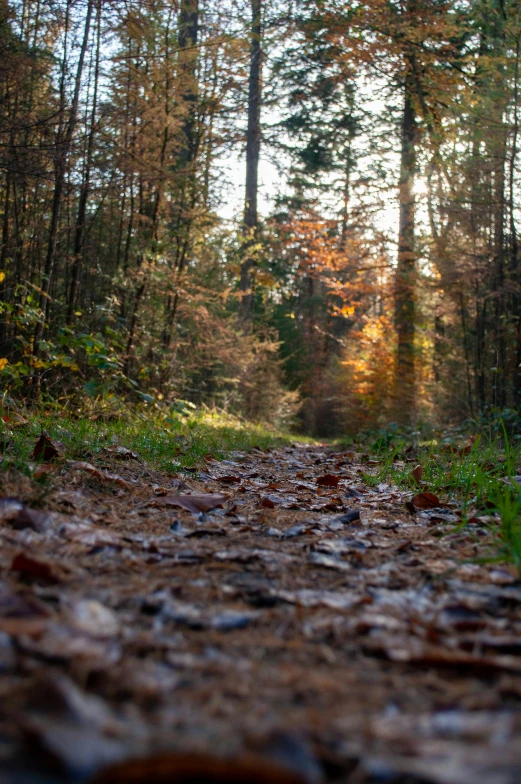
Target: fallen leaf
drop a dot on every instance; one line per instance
(32, 567)
(44, 469)
(46, 449)
(425, 501)
(349, 517)
(103, 476)
(328, 480)
(20, 516)
(31, 518)
(417, 473)
(122, 453)
(184, 768)
(16, 605)
(307, 597)
(202, 502)
(92, 617)
(15, 420)
(418, 652)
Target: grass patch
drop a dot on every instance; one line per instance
(168, 441)
(476, 475)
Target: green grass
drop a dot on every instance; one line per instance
(477, 481)
(166, 441)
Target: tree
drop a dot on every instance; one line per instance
(253, 144)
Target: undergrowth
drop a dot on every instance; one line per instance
(168, 439)
(475, 470)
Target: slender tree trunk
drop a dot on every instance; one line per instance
(187, 41)
(514, 271)
(79, 232)
(3, 260)
(187, 193)
(62, 155)
(406, 273)
(253, 142)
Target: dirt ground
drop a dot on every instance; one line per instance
(268, 619)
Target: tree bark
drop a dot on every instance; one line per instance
(253, 143)
(188, 37)
(79, 232)
(62, 155)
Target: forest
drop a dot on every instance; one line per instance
(305, 209)
(260, 392)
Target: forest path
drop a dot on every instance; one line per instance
(305, 627)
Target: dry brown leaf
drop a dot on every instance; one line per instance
(122, 453)
(44, 469)
(183, 768)
(33, 567)
(103, 476)
(426, 501)
(417, 473)
(92, 617)
(15, 420)
(328, 480)
(195, 503)
(46, 449)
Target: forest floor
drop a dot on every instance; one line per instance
(270, 618)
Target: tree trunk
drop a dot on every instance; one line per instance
(253, 142)
(62, 155)
(514, 242)
(405, 281)
(187, 190)
(79, 233)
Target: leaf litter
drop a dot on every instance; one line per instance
(155, 618)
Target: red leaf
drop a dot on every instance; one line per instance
(31, 567)
(426, 501)
(328, 480)
(184, 768)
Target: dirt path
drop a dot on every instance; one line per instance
(301, 631)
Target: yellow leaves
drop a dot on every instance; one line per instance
(3, 361)
(265, 279)
(2, 276)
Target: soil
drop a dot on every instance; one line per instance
(270, 618)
